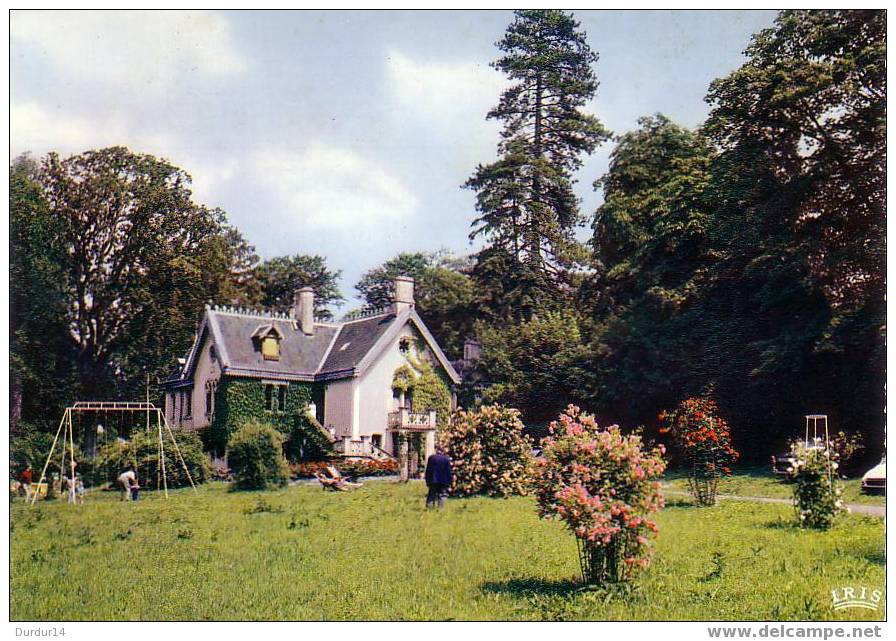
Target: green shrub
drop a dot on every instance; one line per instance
(255, 456)
(142, 453)
(490, 454)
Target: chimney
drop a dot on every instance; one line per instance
(303, 309)
(403, 297)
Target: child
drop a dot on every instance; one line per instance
(80, 491)
(135, 491)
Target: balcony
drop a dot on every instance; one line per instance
(404, 420)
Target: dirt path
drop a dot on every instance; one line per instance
(854, 508)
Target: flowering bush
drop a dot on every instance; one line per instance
(602, 483)
(703, 438)
(489, 452)
(816, 491)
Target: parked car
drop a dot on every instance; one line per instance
(875, 479)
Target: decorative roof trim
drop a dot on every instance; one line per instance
(262, 373)
(262, 331)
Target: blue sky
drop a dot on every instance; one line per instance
(346, 134)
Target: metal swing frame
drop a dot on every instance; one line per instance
(67, 431)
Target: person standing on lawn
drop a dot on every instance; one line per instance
(126, 479)
(25, 478)
(438, 478)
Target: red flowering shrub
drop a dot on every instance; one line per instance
(602, 483)
(703, 438)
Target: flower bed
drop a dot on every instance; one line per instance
(352, 469)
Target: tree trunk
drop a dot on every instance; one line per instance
(15, 404)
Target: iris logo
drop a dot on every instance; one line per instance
(852, 597)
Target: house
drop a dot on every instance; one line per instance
(369, 380)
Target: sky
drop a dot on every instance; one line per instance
(346, 134)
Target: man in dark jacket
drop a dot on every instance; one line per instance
(438, 478)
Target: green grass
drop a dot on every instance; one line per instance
(300, 554)
(760, 482)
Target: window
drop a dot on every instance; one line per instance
(210, 399)
(376, 440)
(270, 348)
(186, 405)
(404, 345)
(275, 397)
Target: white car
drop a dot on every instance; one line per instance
(876, 478)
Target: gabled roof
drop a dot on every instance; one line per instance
(333, 351)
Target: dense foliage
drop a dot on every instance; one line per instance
(745, 257)
(489, 452)
(443, 293)
(602, 484)
(702, 438)
(255, 457)
(238, 401)
(278, 278)
(816, 491)
(141, 452)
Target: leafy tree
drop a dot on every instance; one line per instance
(40, 354)
(799, 223)
(525, 200)
(812, 98)
(278, 278)
(376, 286)
(444, 293)
(140, 261)
(651, 247)
(536, 366)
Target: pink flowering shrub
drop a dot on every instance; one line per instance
(602, 483)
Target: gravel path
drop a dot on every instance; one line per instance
(854, 508)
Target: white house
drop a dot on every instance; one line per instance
(341, 372)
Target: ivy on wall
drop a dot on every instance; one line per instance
(429, 387)
(238, 401)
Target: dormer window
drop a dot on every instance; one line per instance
(267, 339)
(270, 348)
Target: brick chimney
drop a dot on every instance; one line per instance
(403, 297)
(303, 309)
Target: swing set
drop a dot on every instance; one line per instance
(67, 431)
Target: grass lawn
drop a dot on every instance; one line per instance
(300, 553)
(761, 482)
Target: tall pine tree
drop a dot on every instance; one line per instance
(527, 208)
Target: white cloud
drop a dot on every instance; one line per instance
(39, 129)
(138, 49)
(325, 187)
(452, 95)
